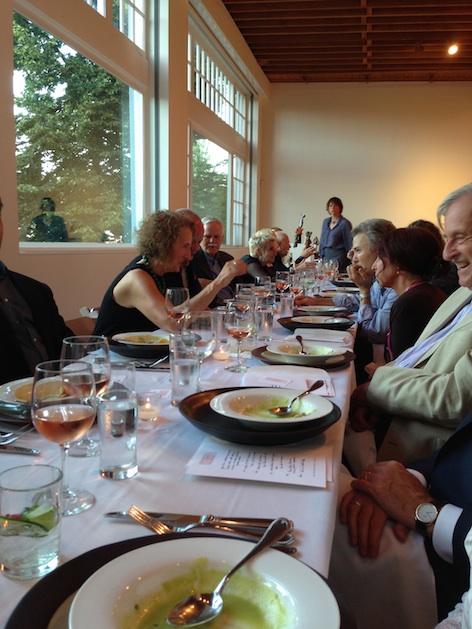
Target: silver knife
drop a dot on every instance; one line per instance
(19, 450)
(178, 518)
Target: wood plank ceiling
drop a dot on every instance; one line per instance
(357, 40)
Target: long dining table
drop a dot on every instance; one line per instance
(164, 485)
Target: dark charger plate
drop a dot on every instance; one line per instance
(291, 325)
(196, 408)
(38, 606)
(139, 351)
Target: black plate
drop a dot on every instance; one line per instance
(347, 283)
(138, 351)
(261, 354)
(196, 408)
(38, 606)
(287, 323)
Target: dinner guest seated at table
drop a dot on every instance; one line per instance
(31, 328)
(413, 404)
(187, 276)
(135, 299)
(263, 247)
(373, 304)
(408, 259)
(284, 247)
(447, 282)
(208, 260)
(398, 554)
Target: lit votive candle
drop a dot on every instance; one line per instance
(149, 406)
(220, 353)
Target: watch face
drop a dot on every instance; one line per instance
(426, 513)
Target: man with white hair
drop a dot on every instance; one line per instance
(389, 508)
(208, 260)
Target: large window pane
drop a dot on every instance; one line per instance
(74, 141)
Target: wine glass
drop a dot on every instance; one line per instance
(297, 287)
(282, 281)
(239, 323)
(177, 300)
(199, 328)
(63, 408)
(92, 349)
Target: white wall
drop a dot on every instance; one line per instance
(388, 150)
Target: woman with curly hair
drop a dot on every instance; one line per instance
(135, 300)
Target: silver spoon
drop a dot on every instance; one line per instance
(201, 608)
(300, 340)
(286, 410)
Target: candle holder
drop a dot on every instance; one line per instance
(221, 351)
(149, 405)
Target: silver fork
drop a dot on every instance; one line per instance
(161, 528)
(10, 437)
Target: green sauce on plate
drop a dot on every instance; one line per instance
(249, 603)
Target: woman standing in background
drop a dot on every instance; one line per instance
(336, 240)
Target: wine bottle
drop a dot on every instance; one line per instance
(299, 231)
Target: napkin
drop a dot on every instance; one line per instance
(320, 334)
(288, 376)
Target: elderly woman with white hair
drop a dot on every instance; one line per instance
(263, 247)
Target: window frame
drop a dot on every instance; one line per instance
(204, 121)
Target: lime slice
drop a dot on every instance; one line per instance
(45, 516)
(14, 526)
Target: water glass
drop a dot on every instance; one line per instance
(122, 376)
(30, 520)
(264, 321)
(118, 423)
(286, 305)
(184, 369)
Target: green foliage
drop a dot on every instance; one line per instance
(72, 128)
(209, 183)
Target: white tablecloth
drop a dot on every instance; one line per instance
(162, 483)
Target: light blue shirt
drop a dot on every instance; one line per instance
(373, 319)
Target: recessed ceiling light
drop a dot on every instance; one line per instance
(453, 49)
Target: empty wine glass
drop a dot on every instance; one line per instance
(92, 349)
(176, 301)
(239, 323)
(62, 410)
(200, 329)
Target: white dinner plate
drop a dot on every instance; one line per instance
(323, 309)
(7, 391)
(250, 406)
(313, 350)
(115, 589)
(319, 319)
(142, 338)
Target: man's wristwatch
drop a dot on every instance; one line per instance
(426, 514)
(364, 296)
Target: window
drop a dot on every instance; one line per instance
(128, 17)
(79, 133)
(219, 138)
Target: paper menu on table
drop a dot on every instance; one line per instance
(310, 466)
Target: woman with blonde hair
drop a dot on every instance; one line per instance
(263, 247)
